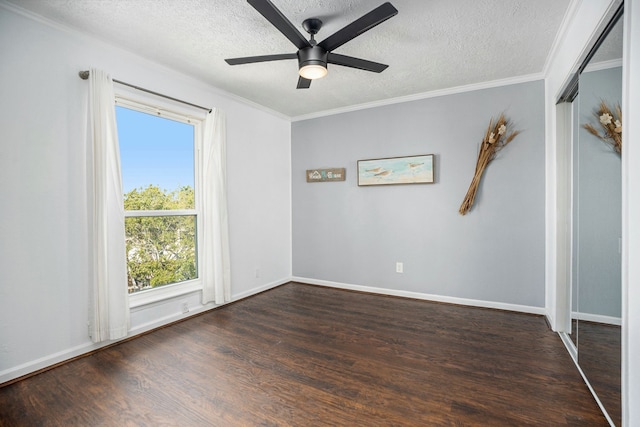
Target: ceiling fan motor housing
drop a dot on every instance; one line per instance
(314, 55)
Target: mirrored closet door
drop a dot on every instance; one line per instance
(596, 221)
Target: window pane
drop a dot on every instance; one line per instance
(154, 151)
(153, 198)
(160, 250)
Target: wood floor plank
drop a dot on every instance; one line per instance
(302, 355)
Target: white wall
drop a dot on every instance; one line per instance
(44, 277)
(353, 236)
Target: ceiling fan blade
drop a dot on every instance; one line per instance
(262, 58)
(361, 64)
(303, 83)
(278, 20)
(359, 26)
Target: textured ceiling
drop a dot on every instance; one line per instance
(430, 45)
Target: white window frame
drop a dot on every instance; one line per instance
(176, 113)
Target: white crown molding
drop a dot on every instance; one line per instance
(603, 65)
(425, 95)
(34, 16)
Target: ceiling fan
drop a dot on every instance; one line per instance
(312, 56)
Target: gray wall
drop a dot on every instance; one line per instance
(355, 235)
(597, 227)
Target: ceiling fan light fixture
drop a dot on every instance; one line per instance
(313, 71)
(312, 62)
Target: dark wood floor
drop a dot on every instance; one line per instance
(599, 356)
(302, 355)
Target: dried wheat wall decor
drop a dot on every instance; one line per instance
(497, 137)
(611, 124)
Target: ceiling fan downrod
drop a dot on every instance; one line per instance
(312, 26)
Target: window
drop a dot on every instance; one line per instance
(160, 170)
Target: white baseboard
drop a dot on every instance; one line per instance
(597, 318)
(423, 296)
(46, 361)
(259, 289)
(67, 354)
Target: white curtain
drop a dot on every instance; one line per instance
(109, 318)
(216, 270)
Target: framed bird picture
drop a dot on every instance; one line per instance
(396, 170)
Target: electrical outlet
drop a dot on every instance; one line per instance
(257, 273)
(185, 307)
(399, 267)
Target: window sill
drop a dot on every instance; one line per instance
(163, 293)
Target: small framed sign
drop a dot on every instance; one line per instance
(324, 175)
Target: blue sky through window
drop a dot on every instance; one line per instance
(154, 150)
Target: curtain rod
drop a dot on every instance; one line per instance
(84, 75)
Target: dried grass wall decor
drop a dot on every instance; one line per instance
(611, 124)
(497, 137)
